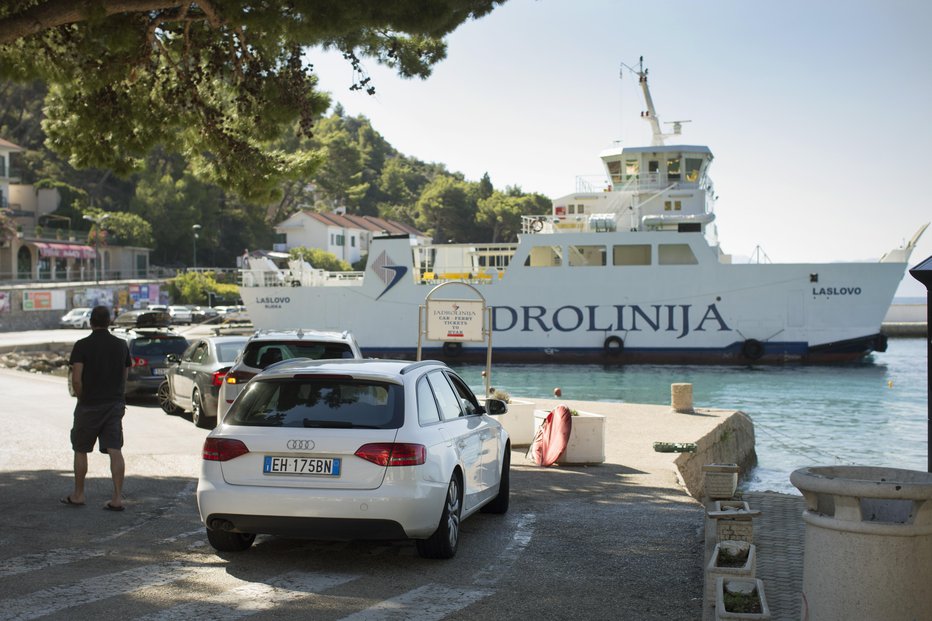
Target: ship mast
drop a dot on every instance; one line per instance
(650, 115)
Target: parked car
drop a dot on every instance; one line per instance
(181, 315)
(201, 314)
(233, 313)
(76, 318)
(193, 381)
(150, 341)
(269, 346)
(354, 449)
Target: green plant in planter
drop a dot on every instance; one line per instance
(733, 556)
(501, 394)
(743, 602)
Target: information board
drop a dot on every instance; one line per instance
(455, 320)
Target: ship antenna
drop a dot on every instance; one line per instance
(650, 115)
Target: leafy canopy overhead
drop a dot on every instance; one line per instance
(218, 81)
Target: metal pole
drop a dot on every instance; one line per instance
(195, 228)
(923, 273)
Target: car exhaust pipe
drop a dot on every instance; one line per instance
(220, 524)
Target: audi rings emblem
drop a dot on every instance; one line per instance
(300, 445)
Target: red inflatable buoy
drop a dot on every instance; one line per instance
(552, 437)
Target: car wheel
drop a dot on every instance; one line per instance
(444, 541)
(499, 504)
(226, 541)
(198, 417)
(164, 395)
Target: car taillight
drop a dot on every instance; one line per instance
(217, 378)
(239, 377)
(393, 454)
(223, 449)
(140, 362)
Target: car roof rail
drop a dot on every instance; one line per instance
(423, 363)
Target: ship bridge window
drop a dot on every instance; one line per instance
(586, 255)
(673, 169)
(632, 168)
(544, 256)
(693, 165)
(631, 254)
(614, 170)
(672, 205)
(676, 254)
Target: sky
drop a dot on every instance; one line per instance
(817, 113)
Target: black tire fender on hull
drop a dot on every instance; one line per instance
(752, 349)
(613, 346)
(452, 348)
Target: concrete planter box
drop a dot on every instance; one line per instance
(715, 569)
(518, 421)
(753, 586)
(587, 438)
(719, 481)
(734, 521)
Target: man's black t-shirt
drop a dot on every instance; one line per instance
(105, 357)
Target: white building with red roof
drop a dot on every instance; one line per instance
(345, 235)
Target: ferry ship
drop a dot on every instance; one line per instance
(628, 272)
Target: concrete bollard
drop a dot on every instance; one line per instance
(868, 546)
(681, 396)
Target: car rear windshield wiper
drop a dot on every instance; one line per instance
(336, 424)
(328, 424)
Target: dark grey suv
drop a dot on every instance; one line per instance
(148, 348)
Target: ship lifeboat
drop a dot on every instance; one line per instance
(680, 218)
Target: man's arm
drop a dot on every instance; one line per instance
(77, 370)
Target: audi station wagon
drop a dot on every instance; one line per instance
(354, 449)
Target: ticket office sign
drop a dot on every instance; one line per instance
(455, 320)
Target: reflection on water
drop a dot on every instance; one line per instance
(872, 413)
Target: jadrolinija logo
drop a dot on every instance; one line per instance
(389, 273)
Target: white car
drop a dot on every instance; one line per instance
(269, 346)
(354, 449)
(180, 314)
(76, 318)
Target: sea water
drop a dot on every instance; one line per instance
(870, 413)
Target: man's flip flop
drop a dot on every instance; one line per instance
(67, 501)
(110, 507)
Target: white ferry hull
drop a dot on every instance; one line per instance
(630, 272)
(709, 312)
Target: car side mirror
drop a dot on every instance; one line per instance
(495, 407)
(172, 359)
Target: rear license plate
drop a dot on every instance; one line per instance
(327, 467)
(160, 371)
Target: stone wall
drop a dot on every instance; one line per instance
(731, 442)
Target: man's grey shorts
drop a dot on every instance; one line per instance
(103, 422)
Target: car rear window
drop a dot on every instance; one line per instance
(319, 403)
(158, 345)
(227, 352)
(260, 354)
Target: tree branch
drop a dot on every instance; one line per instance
(55, 13)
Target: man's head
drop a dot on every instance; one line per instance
(100, 317)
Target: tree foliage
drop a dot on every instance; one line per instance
(320, 259)
(218, 81)
(195, 287)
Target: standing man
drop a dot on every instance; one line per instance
(99, 366)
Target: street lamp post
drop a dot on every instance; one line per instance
(98, 220)
(195, 228)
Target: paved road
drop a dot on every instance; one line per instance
(581, 543)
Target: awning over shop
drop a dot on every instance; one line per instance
(66, 251)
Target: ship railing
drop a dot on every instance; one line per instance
(287, 278)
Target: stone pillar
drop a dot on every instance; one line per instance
(681, 396)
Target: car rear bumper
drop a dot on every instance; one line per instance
(143, 384)
(410, 509)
